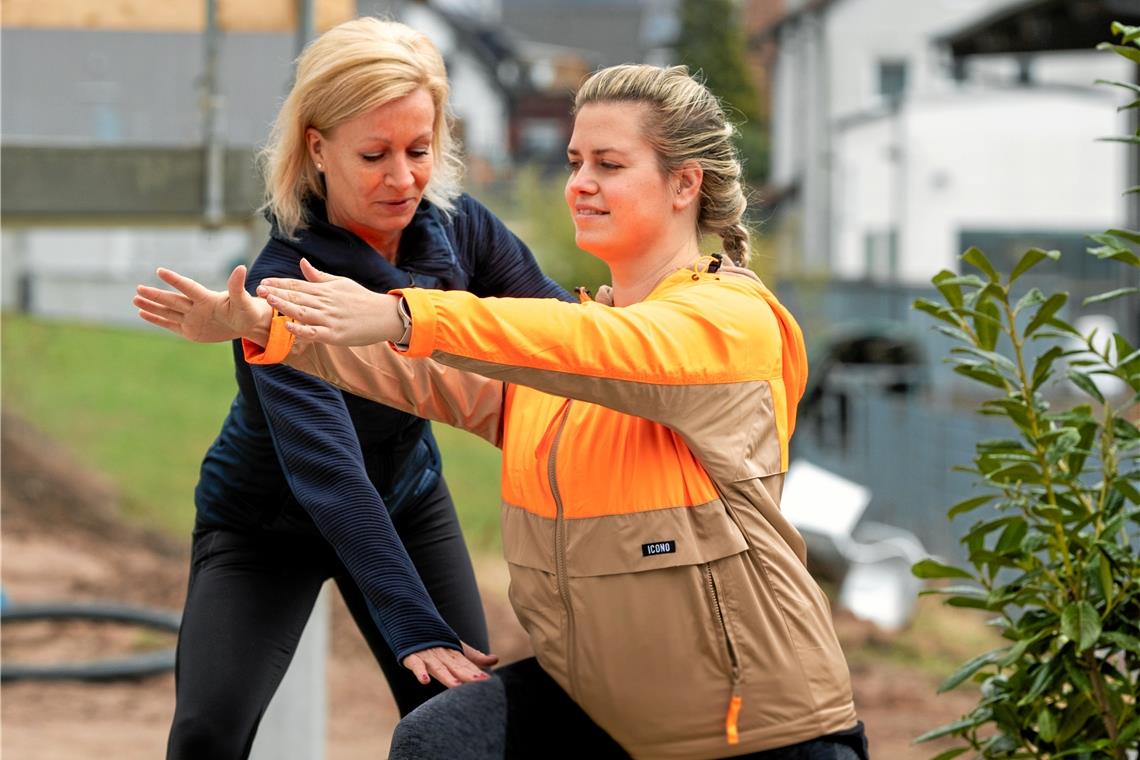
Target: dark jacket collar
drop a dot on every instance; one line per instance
(426, 256)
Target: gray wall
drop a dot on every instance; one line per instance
(140, 88)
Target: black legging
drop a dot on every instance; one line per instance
(249, 597)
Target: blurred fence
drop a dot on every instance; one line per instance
(904, 450)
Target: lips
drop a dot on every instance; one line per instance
(589, 211)
(399, 205)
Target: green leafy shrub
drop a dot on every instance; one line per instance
(1055, 555)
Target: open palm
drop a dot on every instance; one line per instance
(199, 314)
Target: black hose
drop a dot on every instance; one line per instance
(104, 669)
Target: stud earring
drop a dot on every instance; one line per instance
(320, 166)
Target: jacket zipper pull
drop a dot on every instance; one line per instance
(730, 720)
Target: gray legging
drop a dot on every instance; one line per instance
(523, 713)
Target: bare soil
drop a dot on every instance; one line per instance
(63, 539)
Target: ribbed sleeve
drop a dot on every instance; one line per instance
(314, 439)
(502, 264)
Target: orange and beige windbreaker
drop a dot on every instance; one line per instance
(643, 457)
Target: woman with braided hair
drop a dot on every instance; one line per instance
(645, 440)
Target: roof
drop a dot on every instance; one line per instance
(1032, 26)
(770, 32)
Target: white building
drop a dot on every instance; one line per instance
(891, 166)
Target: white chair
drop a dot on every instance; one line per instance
(871, 560)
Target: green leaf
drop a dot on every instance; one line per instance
(1081, 624)
(1051, 306)
(1109, 296)
(970, 667)
(1104, 579)
(1030, 259)
(1134, 139)
(936, 310)
(1129, 732)
(1085, 383)
(1131, 54)
(1130, 235)
(1064, 444)
(987, 323)
(946, 283)
(1011, 537)
(1129, 33)
(1126, 85)
(1122, 641)
(1076, 716)
(969, 505)
(953, 728)
(1122, 255)
(929, 568)
(1043, 367)
(1047, 724)
(982, 375)
(955, 333)
(1021, 472)
(975, 258)
(970, 603)
(1030, 299)
(976, 592)
(993, 357)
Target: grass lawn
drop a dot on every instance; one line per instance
(142, 407)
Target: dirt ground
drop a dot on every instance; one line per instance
(63, 540)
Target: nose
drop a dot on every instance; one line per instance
(581, 182)
(399, 175)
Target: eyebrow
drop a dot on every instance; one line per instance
(377, 138)
(596, 152)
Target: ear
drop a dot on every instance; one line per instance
(687, 183)
(314, 140)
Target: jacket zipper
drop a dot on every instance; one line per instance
(560, 549)
(732, 716)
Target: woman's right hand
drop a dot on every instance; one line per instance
(449, 667)
(202, 315)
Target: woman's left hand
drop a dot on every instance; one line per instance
(202, 315)
(449, 667)
(333, 310)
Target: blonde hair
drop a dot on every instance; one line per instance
(347, 71)
(686, 123)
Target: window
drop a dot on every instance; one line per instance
(892, 79)
(881, 255)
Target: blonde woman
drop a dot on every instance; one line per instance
(645, 439)
(306, 482)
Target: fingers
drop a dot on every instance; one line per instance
(157, 309)
(295, 305)
(235, 285)
(154, 319)
(312, 274)
(447, 666)
(184, 285)
(479, 658)
(301, 330)
(415, 663)
(162, 298)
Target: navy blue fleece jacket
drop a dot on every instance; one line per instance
(297, 454)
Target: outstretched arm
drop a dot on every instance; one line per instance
(334, 310)
(203, 315)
